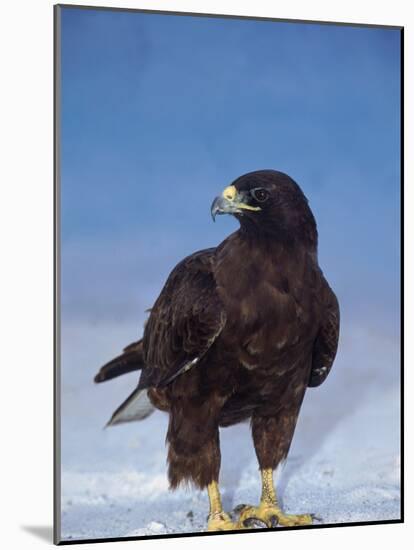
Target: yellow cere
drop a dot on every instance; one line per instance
(230, 193)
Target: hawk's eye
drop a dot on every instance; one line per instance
(260, 194)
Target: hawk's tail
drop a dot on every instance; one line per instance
(136, 407)
(130, 360)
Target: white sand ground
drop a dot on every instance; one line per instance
(343, 465)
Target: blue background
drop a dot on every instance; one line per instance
(160, 113)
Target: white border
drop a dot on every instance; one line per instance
(26, 224)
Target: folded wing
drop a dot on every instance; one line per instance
(184, 322)
(326, 343)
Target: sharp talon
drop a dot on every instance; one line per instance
(239, 508)
(274, 520)
(254, 523)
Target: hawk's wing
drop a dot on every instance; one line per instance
(184, 321)
(326, 343)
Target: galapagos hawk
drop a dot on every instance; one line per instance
(238, 332)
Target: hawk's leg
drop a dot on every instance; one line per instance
(272, 436)
(269, 511)
(194, 453)
(218, 520)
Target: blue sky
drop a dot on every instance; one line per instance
(160, 113)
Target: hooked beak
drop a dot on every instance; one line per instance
(230, 202)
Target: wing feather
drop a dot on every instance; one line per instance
(326, 343)
(130, 360)
(184, 322)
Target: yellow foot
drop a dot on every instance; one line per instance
(271, 515)
(221, 522)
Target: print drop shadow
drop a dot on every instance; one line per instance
(43, 532)
(320, 414)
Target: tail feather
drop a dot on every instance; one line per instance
(136, 407)
(130, 360)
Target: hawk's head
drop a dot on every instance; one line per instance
(268, 202)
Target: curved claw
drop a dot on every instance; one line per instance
(254, 523)
(274, 520)
(239, 508)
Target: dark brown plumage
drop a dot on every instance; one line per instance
(239, 331)
(130, 360)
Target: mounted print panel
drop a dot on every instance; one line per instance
(242, 375)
